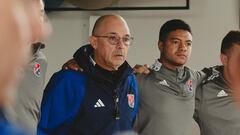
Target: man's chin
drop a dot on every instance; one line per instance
(179, 64)
(117, 64)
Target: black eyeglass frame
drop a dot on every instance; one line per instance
(118, 39)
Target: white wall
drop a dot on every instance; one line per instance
(210, 21)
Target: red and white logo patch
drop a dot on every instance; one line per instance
(36, 69)
(130, 100)
(189, 85)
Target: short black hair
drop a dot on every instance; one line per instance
(172, 25)
(233, 37)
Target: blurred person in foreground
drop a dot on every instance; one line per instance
(25, 110)
(19, 27)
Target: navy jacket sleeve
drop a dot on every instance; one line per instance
(61, 102)
(134, 85)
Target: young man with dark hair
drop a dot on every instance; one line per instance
(167, 92)
(217, 110)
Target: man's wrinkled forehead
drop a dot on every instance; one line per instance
(114, 25)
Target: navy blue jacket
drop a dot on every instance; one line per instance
(92, 102)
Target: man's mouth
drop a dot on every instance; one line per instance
(181, 55)
(118, 55)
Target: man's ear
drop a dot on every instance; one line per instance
(160, 46)
(224, 59)
(93, 41)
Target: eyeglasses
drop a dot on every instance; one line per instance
(115, 40)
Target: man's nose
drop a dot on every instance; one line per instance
(183, 47)
(121, 44)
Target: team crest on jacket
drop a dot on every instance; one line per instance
(189, 85)
(36, 69)
(130, 100)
